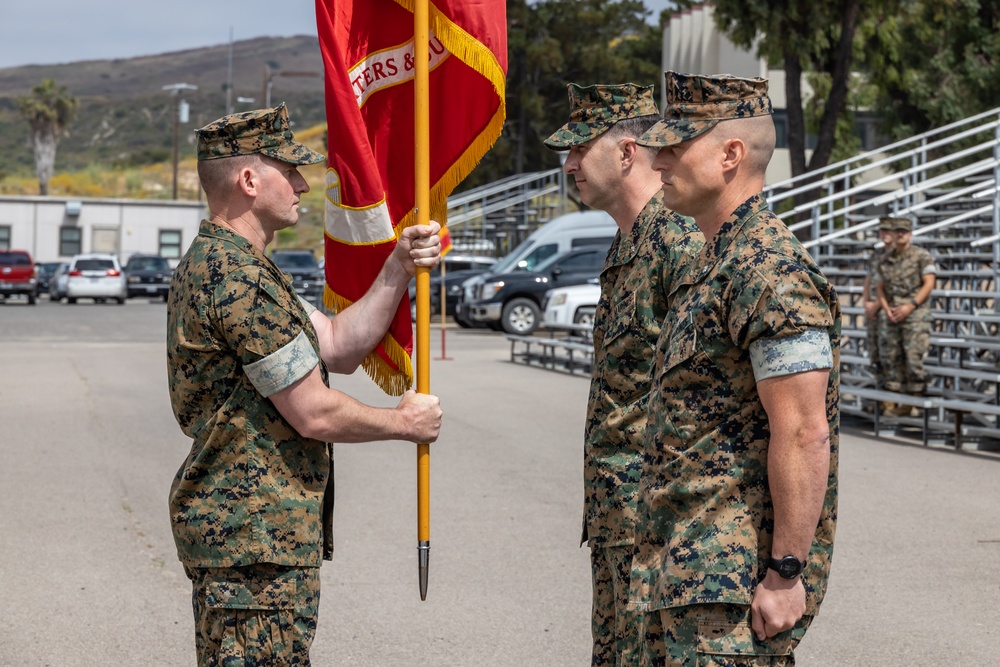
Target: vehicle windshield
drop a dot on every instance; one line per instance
(507, 262)
(546, 262)
(94, 264)
(532, 261)
(148, 264)
(302, 260)
(14, 259)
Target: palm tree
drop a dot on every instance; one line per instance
(49, 109)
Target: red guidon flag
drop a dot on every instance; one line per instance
(368, 54)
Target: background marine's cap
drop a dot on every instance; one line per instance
(904, 224)
(594, 109)
(696, 103)
(264, 131)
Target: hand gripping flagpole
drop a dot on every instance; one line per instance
(423, 207)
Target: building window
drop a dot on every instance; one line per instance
(4, 237)
(69, 241)
(780, 129)
(170, 243)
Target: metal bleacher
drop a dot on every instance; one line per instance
(493, 218)
(947, 180)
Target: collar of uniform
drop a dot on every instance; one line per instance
(215, 230)
(624, 248)
(723, 238)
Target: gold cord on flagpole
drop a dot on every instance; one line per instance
(423, 207)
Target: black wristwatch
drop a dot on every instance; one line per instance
(788, 567)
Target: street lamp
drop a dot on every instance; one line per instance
(179, 105)
(269, 76)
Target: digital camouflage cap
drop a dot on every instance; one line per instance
(594, 109)
(696, 104)
(264, 131)
(890, 223)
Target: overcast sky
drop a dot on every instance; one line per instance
(45, 32)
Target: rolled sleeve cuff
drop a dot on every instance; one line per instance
(284, 367)
(807, 351)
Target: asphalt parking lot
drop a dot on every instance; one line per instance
(88, 574)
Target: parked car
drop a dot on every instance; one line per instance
(513, 301)
(573, 230)
(44, 272)
(57, 283)
(17, 275)
(305, 272)
(95, 276)
(148, 275)
(457, 269)
(572, 307)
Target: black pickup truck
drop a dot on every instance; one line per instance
(513, 301)
(305, 272)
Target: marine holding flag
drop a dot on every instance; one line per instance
(368, 53)
(252, 505)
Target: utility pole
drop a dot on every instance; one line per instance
(269, 75)
(175, 90)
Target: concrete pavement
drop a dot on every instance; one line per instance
(88, 574)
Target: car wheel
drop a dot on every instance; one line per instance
(70, 300)
(461, 321)
(120, 301)
(520, 316)
(31, 299)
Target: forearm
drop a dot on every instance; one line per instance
(798, 466)
(355, 331)
(882, 299)
(925, 290)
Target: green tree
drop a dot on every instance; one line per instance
(550, 44)
(822, 37)
(49, 109)
(935, 62)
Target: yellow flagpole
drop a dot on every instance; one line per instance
(421, 40)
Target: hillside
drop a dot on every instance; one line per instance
(125, 118)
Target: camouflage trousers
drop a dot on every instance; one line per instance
(875, 329)
(715, 635)
(616, 629)
(254, 616)
(902, 349)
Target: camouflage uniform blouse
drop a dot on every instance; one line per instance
(902, 275)
(753, 305)
(252, 490)
(639, 273)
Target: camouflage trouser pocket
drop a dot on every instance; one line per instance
(725, 639)
(245, 621)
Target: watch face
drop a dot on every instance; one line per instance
(789, 568)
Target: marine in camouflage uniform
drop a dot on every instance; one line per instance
(251, 507)
(747, 363)
(875, 317)
(904, 281)
(645, 260)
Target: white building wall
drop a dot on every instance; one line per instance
(129, 226)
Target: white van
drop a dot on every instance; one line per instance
(553, 238)
(557, 236)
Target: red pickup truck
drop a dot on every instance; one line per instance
(17, 275)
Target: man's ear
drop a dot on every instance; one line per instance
(734, 153)
(628, 149)
(247, 180)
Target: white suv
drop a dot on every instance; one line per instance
(97, 277)
(572, 308)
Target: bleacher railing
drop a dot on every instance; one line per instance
(498, 214)
(909, 177)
